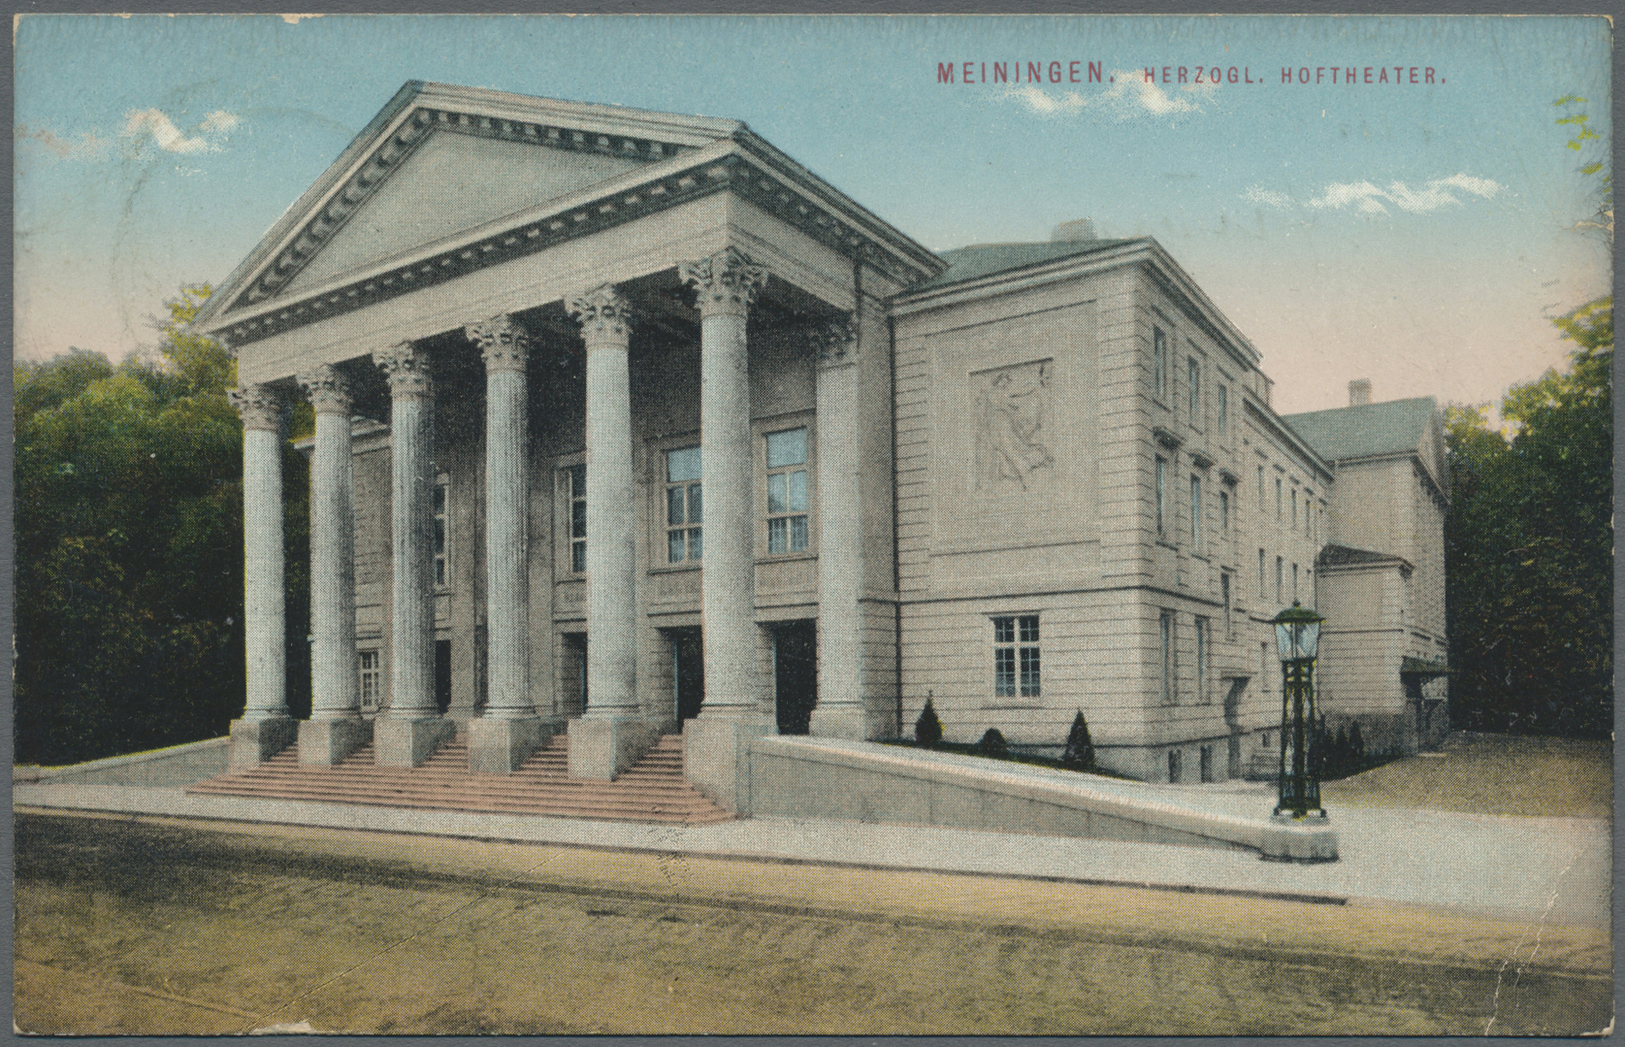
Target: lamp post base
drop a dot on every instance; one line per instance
(1293, 838)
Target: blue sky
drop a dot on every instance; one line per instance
(1416, 234)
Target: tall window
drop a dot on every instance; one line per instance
(684, 538)
(1262, 590)
(1165, 627)
(1294, 508)
(1279, 568)
(1162, 495)
(1194, 390)
(1224, 592)
(372, 679)
(1173, 766)
(1015, 656)
(1294, 581)
(1196, 513)
(1159, 363)
(1223, 405)
(578, 518)
(1277, 497)
(440, 534)
(787, 491)
(1203, 650)
(1261, 489)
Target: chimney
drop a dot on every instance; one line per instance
(1359, 392)
(1077, 230)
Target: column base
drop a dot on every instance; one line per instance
(499, 746)
(839, 721)
(407, 743)
(1292, 839)
(323, 743)
(255, 741)
(716, 757)
(601, 747)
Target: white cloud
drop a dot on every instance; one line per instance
(1128, 95)
(165, 135)
(1368, 198)
(219, 120)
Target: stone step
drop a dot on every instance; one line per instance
(653, 789)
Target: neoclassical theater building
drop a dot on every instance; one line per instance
(628, 424)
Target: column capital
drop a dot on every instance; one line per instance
(260, 406)
(603, 313)
(835, 342)
(503, 342)
(327, 389)
(406, 366)
(725, 282)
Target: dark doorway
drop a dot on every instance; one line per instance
(575, 674)
(795, 674)
(687, 671)
(442, 675)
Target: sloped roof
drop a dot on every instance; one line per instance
(968, 263)
(1366, 430)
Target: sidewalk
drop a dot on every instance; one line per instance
(1555, 870)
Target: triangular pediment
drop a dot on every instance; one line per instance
(450, 184)
(439, 161)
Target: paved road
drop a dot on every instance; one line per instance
(1557, 870)
(160, 926)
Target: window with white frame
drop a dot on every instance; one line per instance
(1162, 496)
(1165, 627)
(1193, 389)
(1204, 651)
(1159, 364)
(1196, 513)
(578, 518)
(684, 509)
(1016, 668)
(440, 491)
(370, 671)
(787, 491)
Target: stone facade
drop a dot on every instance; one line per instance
(646, 428)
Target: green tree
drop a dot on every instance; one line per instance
(129, 548)
(1530, 547)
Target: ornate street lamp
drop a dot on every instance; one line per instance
(1297, 637)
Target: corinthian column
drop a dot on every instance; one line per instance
(610, 735)
(509, 731)
(411, 728)
(716, 742)
(335, 726)
(265, 727)
(839, 712)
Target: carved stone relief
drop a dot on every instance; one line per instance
(1012, 411)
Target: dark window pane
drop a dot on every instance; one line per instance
(694, 514)
(1004, 630)
(1029, 628)
(777, 535)
(1029, 672)
(798, 533)
(1004, 671)
(674, 505)
(695, 546)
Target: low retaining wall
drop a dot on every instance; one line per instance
(174, 766)
(863, 781)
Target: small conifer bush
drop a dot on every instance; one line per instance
(1080, 750)
(992, 743)
(927, 729)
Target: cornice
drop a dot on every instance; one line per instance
(669, 184)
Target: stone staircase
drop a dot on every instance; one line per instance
(651, 790)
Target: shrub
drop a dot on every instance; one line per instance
(992, 743)
(1080, 750)
(1356, 749)
(927, 729)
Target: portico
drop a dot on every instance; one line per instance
(512, 395)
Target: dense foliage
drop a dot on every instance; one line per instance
(129, 563)
(1529, 547)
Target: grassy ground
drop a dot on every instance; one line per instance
(128, 926)
(1491, 774)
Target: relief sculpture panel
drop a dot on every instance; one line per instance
(1012, 421)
